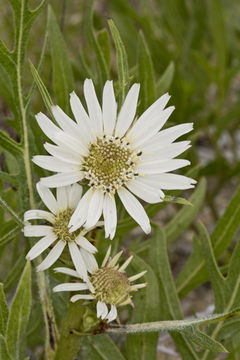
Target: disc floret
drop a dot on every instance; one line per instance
(61, 228)
(110, 163)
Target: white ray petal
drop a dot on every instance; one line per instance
(75, 298)
(80, 214)
(167, 136)
(70, 287)
(109, 108)
(94, 109)
(154, 125)
(166, 152)
(63, 154)
(47, 197)
(74, 195)
(85, 244)
(95, 208)
(62, 197)
(65, 122)
(135, 209)
(136, 287)
(67, 271)
(112, 313)
(105, 260)
(77, 260)
(110, 215)
(162, 166)
(62, 179)
(173, 181)
(52, 256)
(89, 260)
(72, 144)
(39, 214)
(144, 192)
(128, 111)
(137, 276)
(141, 125)
(150, 181)
(37, 230)
(40, 246)
(102, 310)
(85, 124)
(53, 164)
(47, 126)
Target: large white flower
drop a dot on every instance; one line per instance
(55, 234)
(113, 154)
(108, 285)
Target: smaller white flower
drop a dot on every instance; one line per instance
(55, 234)
(108, 285)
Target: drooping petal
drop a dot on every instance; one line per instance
(47, 198)
(40, 246)
(78, 260)
(52, 256)
(144, 192)
(135, 209)
(95, 208)
(102, 310)
(39, 214)
(67, 271)
(80, 214)
(150, 181)
(112, 313)
(128, 111)
(74, 195)
(70, 287)
(62, 197)
(109, 108)
(110, 215)
(37, 230)
(62, 179)
(94, 109)
(89, 260)
(85, 244)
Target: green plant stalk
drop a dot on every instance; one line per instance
(48, 314)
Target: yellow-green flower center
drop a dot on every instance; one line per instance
(60, 227)
(109, 163)
(111, 286)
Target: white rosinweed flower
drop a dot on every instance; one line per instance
(114, 155)
(55, 234)
(108, 285)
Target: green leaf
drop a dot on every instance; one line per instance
(42, 88)
(147, 308)
(194, 272)
(169, 302)
(19, 313)
(145, 74)
(177, 200)
(165, 80)
(9, 235)
(10, 211)
(104, 44)
(122, 62)
(14, 273)
(9, 145)
(100, 347)
(3, 311)
(62, 72)
(101, 62)
(4, 354)
(187, 214)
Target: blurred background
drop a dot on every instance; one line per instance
(190, 49)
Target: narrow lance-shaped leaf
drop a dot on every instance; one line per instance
(3, 311)
(19, 313)
(9, 144)
(62, 71)
(122, 62)
(100, 347)
(145, 73)
(165, 80)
